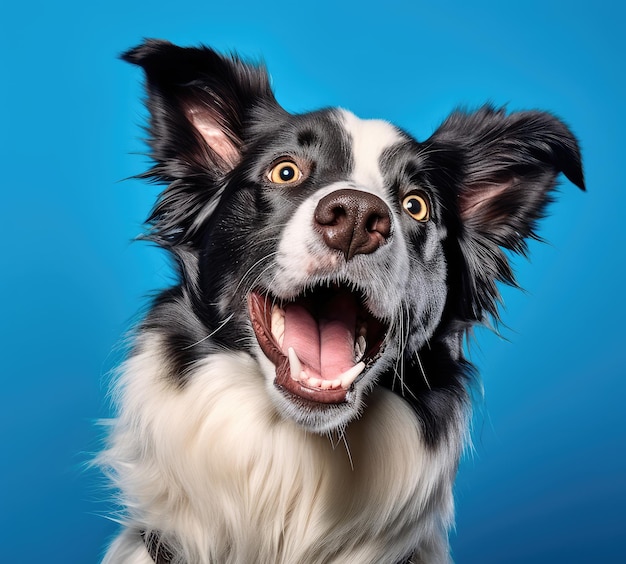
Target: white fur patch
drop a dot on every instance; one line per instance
(216, 466)
(370, 138)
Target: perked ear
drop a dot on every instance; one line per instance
(198, 101)
(509, 164)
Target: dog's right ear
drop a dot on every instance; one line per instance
(198, 101)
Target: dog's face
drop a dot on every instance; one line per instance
(339, 252)
(341, 263)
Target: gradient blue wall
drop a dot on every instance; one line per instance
(546, 481)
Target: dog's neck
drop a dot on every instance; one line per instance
(161, 553)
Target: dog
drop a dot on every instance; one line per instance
(301, 395)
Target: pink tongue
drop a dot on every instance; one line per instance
(326, 349)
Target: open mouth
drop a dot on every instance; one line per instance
(320, 343)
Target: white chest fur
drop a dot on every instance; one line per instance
(214, 464)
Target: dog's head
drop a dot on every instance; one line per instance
(341, 253)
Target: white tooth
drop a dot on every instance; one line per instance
(278, 313)
(350, 375)
(295, 367)
(359, 347)
(279, 336)
(278, 324)
(314, 382)
(326, 384)
(336, 384)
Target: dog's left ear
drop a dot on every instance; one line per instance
(198, 101)
(199, 104)
(508, 166)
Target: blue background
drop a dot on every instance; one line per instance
(546, 481)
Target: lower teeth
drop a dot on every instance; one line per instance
(344, 381)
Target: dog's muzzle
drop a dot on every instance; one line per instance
(323, 340)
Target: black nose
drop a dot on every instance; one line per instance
(353, 222)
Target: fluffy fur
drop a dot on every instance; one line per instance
(301, 395)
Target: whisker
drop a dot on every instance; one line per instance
(421, 265)
(275, 226)
(400, 359)
(219, 327)
(403, 386)
(258, 277)
(333, 443)
(345, 442)
(417, 356)
(264, 258)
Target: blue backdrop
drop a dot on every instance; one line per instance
(546, 481)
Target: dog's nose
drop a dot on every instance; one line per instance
(353, 222)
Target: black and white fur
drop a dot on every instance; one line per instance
(218, 451)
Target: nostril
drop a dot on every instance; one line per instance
(336, 215)
(328, 213)
(378, 223)
(353, 221)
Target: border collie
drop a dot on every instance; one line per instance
(300, 396)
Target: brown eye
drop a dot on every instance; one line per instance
(416, 206)
(285, 172)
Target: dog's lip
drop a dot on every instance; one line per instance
(302, 378)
